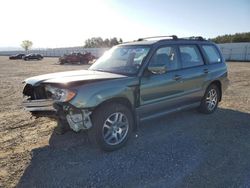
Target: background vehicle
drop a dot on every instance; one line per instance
(75, 58)
(33, 56)
(17, 56)
(132, 82)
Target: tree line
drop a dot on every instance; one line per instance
(98, 42)
(237, 37)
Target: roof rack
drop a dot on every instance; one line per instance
(170, 36)
(193, 38)
(174, 37)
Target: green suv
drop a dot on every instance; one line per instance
(130, 83)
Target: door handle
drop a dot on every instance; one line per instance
(177, 77)
(206, 71)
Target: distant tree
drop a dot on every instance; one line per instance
(113, 41)
(107, 42)
(237, 37)
(93, 42)
(26, 45)
(98, 42)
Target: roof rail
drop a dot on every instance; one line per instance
(170, 36)
(193, 38)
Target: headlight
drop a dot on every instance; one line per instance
(58, 94)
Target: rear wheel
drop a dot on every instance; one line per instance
(210, 100)
(112, 126)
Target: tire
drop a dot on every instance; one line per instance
(112, 126)
(210, 101)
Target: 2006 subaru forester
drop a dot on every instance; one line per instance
(130, 83)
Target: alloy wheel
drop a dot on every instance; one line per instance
(115, 128)
(211, 99)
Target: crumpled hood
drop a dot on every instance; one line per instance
(71, 76)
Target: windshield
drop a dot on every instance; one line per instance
(122, 60)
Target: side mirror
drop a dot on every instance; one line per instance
(157, 68)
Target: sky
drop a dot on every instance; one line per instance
(65, 23)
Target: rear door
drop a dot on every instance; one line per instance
(194, 72)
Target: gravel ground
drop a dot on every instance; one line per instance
(185, 149)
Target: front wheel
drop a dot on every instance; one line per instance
(210, 100)
(112, 126)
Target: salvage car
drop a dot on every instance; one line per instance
(33, 57)
(77, 58)
(17, 56)
(131, 83)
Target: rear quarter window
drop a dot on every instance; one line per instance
(211, 54)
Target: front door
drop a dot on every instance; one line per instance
(161, 92)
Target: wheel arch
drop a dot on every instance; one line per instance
(123, 101)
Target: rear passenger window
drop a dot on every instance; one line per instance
(190, 56)
(212, 54)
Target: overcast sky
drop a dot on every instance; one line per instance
(59, 23)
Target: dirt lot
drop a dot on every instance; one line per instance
(185, 149)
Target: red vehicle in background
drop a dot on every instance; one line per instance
(77, 58)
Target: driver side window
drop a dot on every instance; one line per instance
(166, 56)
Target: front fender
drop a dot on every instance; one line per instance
(93, 94)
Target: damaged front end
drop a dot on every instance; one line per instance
(77, 119)
(46, 100)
